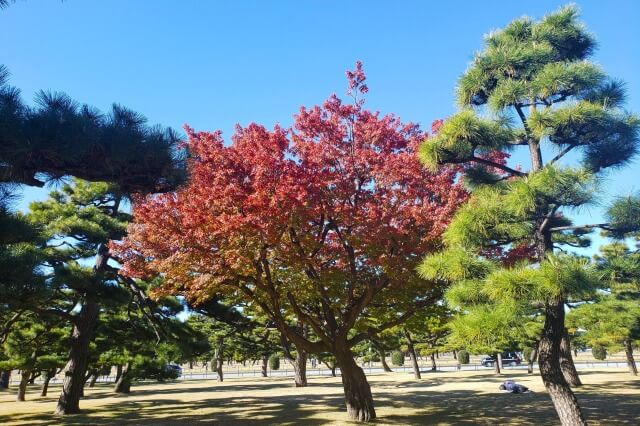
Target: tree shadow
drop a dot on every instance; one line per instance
(400, 401)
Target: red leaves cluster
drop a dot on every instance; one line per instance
(341, 192)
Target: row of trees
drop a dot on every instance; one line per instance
(320, 231)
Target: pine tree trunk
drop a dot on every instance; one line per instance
(22, 388)
(631, 362)
(5, 378)
(300, 368)
(47, 378)
(76, 368)
(532, 358)
(94, 378)
(564, 400)
(220, 359)
(434, 367)
(265, 363)
(383, 360)
(412, 356)
(566, 361)
(32, 377)
(357, 391)
(455, 355)
(123, 385)
(497, 365)
(118, 372)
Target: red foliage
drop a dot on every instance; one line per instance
(341, 193)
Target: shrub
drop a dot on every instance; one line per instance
(274, 362)
(397, 358)
(599, 352)
(463, 357)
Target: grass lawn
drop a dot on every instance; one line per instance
(608, 397)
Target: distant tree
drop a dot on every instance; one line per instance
(613, 320)
(35, 346)
(537, 74)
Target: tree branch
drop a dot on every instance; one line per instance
(604, 226)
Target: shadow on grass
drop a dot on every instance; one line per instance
(422, 404)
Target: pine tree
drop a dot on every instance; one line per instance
(58, 137)
(537, 74)
(613, 320)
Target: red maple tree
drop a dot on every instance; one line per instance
(324, 222)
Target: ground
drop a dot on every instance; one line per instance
(609, 397)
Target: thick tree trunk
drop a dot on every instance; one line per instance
(563, 398)
(76, 368)
(45, 384)
(532, 358)
(497, 365)
(631, 362)
(22, 388)
(300, 368)
(566, 361)
(265, 363)
(5, 378)
(434, 367)
(357, 392)
(412, 355)
(123, 385)
(220, 359)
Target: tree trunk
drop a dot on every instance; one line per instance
(357, 392)
(265, 363)
(434, 367)
(412, 355)
(47, 378)
(123, 385)
(300, 368)
(76, 368)
(300, 361)
(455, 355)
(220, 359)
(532, 358)
(5, 378)
(566, 361)
(383, 360)
(564, 400)
(498, 363)
(631, 362)
(118, 372)
(22, 388)
(94, 378)
(32, 377)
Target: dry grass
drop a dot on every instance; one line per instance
(608, 398)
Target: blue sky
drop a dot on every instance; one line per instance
(215, 64)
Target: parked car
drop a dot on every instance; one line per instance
(175, 368)
(508, 358)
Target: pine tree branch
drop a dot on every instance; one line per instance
(579, 227)
(523, 118)
(562, 153)
(497, 166)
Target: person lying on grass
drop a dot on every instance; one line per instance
(513, 387)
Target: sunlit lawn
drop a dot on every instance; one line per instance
(609, 397)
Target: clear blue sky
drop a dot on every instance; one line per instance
(215, 64)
